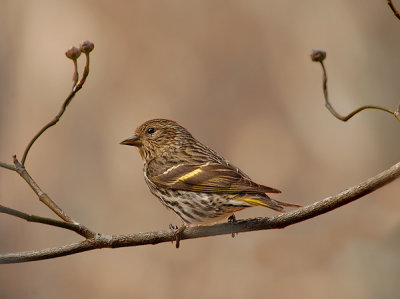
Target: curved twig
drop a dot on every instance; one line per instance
(73, 54)
(394, 10)
(280, 221)
(86, 47)
(319, 56)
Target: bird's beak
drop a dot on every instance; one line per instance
(134, 140)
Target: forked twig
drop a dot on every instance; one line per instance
(73, 53)
(44, 198)
(319, 56)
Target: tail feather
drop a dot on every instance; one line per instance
(286, 204)
(267, 202)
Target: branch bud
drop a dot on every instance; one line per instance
(73, 53)
(87, 47)
(318, 55)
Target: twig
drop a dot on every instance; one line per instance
(73, 53)
(281, 221)
(44, 198)
(395, 12)
(8, 166)
(319, 56)
(75, 76)
(38, 219)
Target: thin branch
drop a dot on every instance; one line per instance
(73, 53)
(281, 221)
(96, 241)
(44, 198)
(7, 166)
(394, 10)
(319, 56)
(75, 76)
(38, 219)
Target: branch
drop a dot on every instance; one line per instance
(7, 166)
(97, 241)
(38, 219)
(73, 54)
(44, 198)
(394, 10)
(281, 221)
(319, 56)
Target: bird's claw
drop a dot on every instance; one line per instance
(232, 220)
(172, 227)
(177, 232)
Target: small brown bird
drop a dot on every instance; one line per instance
(191, 179)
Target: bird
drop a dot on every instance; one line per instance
(193, 180)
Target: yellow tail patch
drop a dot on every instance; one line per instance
(256, 202)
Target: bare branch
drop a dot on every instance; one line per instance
(97, 241)
(319, 56)
(7, 166)
(38, 219)
(281, 221)
(44, 198)
(395, 12)
(73, 53)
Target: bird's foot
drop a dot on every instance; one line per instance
(177, 232)
(232, 220)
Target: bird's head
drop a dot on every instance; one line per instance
(156, 136)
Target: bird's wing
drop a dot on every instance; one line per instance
(209, 177)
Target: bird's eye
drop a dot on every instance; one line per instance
(150, 130)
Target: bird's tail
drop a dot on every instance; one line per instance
(286, 204)
(265, 201)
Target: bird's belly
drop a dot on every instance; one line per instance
(199, 207)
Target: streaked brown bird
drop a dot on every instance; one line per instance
(191, 179)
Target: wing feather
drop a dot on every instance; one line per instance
(209, 177)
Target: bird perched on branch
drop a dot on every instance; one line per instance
(191, 179)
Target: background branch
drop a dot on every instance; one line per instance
(394, 10)
(319, 56)
(280, 221)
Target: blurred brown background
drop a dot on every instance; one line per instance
(238, 75)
